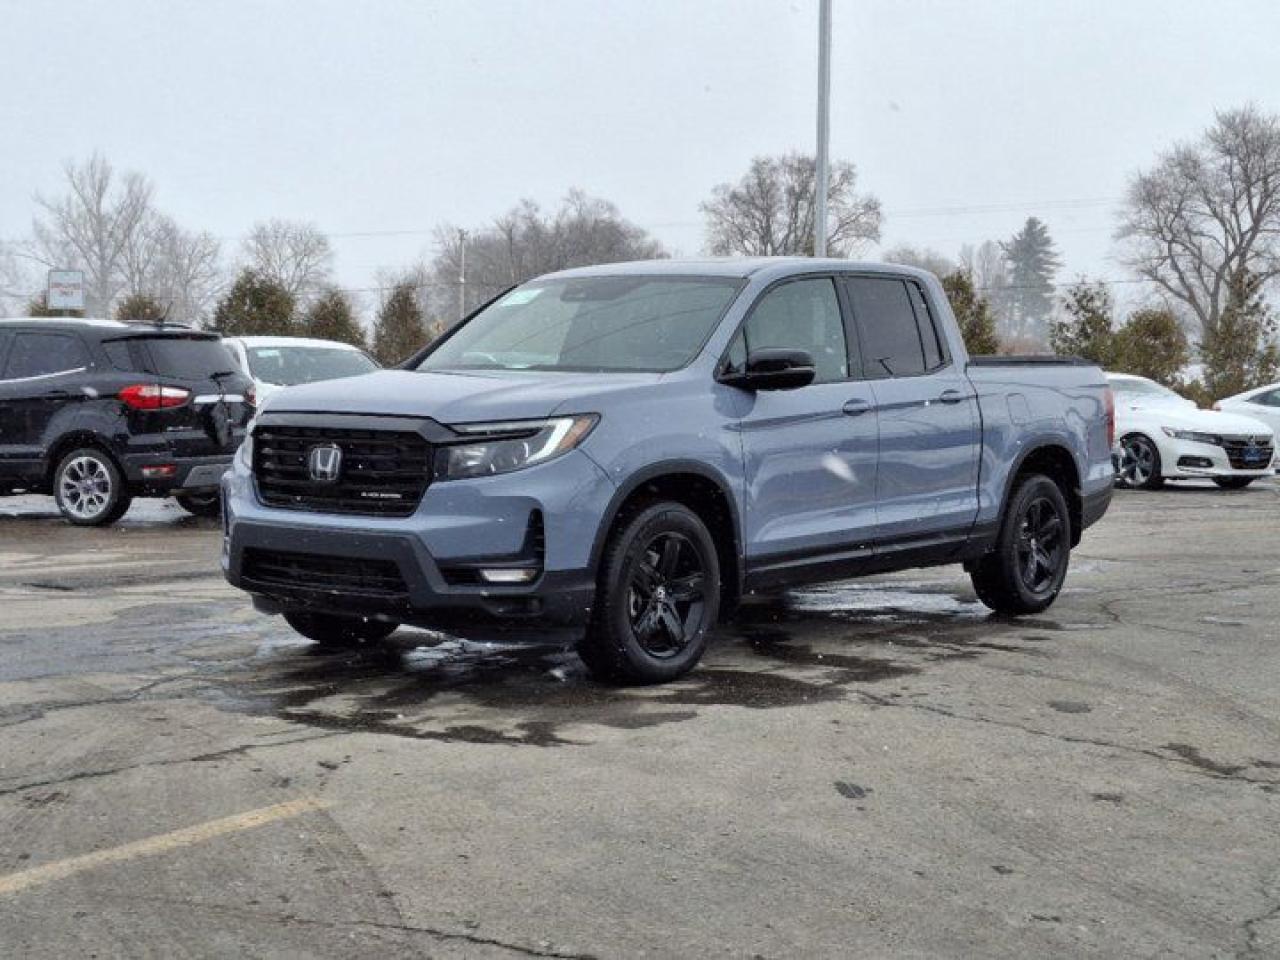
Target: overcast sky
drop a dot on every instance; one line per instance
(396, 115)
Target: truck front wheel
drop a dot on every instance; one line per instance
(1025, 571)
(333, 630)
(658, 596)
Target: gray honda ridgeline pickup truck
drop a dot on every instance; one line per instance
(630, 448)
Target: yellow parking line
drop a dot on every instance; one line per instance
(151, 846)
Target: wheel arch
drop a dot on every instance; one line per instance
(700, 488)
(1054, 460)
(74, 440)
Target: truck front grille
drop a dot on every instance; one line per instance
(383, 473)
(315, 576)
(1245, 453)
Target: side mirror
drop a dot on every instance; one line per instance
(773, 370)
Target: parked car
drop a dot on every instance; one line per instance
(1164, 436)
(97, 412)
(633, 447)
(1262, 403)
(277, 362)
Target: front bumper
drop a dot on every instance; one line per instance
(412, 569)
(1186, 459)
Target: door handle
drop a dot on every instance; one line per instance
(855, 408)
(951, 396)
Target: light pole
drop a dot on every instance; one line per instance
(462, 274)
(824, 129)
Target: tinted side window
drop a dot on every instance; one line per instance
(41, 354)
(802, 315)
(935, 347)
(890, 338)
(1269, 399)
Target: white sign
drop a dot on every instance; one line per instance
(66, 290)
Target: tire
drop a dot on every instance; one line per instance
(90, 489)
(1025, 572)
(1140, 467)
(201, 504)
(657, 598)
(335, 630)
(1233, 483)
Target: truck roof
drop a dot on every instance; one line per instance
(742, 267)
(294, 342)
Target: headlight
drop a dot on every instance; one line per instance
(1193, 435)
(510, 446)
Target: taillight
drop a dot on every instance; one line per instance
(152, 396)
(1111, 418)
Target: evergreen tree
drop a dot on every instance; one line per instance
(399, 330)
(1152, 344)
(1085, 328)
(255, 306)
(1032, 261)
(973, 313)
(1239, 352)
(140, 308)
(331, 317)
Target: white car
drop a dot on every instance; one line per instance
(1162, 436)
(276, 362)
(1261, 403)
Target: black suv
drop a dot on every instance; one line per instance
(97, 413)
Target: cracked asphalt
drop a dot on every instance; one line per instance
(874, 768)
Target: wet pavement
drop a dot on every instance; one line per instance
(876, 767)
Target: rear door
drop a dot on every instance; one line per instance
(809, 454)
(42, 373)
(927, 481)
(211, 422)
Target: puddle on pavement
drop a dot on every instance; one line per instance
(801, 648)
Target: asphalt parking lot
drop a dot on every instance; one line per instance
(876, 768)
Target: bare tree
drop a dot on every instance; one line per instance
(92, 227)
(294, 254)
(14, 285)
(526, 242)
(770, 211)
(922, 258)
(1207, 215)
(987, 265)
(174, 267)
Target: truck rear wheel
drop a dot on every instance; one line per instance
(333, 630)
(658, 596)
(1025, 571)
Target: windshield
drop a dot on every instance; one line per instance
(1133, 389)
(594, 324)
(292, 365)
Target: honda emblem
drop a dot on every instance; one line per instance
(324, 463)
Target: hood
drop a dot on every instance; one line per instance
(470, 397)
(1208, 421)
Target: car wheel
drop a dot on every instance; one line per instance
(1233, 483)
(90, 489)
(201, 504)
(1025, 571)
(335, 630)
(658, 596)
(1139, 464)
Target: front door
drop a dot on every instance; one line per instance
(930, 434)
(809, 453)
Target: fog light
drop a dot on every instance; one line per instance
(509, 575)
(1195, 462)
(161, 472)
